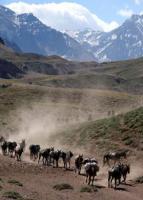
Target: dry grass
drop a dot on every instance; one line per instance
(63, 186)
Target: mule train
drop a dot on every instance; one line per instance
(88, 166)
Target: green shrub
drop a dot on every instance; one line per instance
(63, 186)
(88, 189)
(14, 182)
(13, 195)
(139, 180)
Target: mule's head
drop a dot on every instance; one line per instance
(52, 149)
(71, 154)
(80, 158)
(2, 139)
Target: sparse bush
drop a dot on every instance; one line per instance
(63, 186)
(1, 180)
(139, 180)
(129, 142)
(88, 189)
(127, 137)
(14, 182)
(13, 195)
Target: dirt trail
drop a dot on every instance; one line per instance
(38, 182)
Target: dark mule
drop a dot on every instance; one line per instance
(11, 148)
(78, 163)
(125, 171)
(55, 156)
(45, 155)
(115, 156)
(91, 170)
(66, 157)
(34, 151)
(4, 147)
(19, 150)
(115, 173)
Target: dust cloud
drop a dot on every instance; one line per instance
(37, 121)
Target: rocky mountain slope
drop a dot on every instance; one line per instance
(122, 43)
(31, 35)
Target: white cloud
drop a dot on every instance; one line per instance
(138, 2)
(64, 16)
(125, 12)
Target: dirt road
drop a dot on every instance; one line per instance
(38, 182)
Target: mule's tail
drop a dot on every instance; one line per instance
(109, 179)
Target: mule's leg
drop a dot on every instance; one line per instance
(108, 162)
(39, 158)
(89, 180)
(115, 183)
(79, 170)
(57, 164)
(93, 179)
(86, 178)
(119, 180)
(124, 178)
(109, 179)
(53, 162)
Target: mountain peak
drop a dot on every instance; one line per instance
(6, 11)
(136, 17)
(28, 17)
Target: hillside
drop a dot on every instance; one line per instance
(123, 76)
(121, 132)
(8, 70)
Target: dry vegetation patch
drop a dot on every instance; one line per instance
(15, 182)
(63, 186)
(12, 195)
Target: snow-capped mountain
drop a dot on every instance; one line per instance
(31, 35)
(125, 42)
(87, 36)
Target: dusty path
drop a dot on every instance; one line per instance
(38, 182)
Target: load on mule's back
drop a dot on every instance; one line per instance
(115, 156)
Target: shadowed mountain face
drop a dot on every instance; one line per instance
(51, 65)
(2, 41)
(9, 70)
(33, 36)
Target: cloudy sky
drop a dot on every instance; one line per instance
(78, 14)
